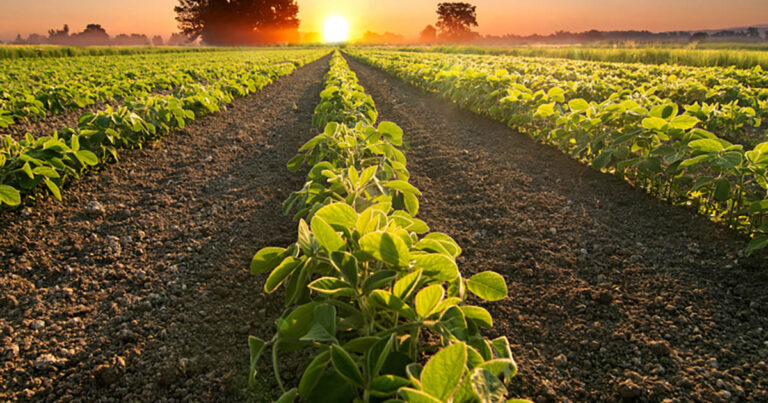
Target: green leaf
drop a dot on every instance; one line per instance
(488, 285)
(488, 387)
(386, 247)
(578, 105)
(313, 373)
(266, 259)
(298, 322)
(28, 170)
(332, 286)
(403, 187)
(427, 299)
(377, 354)
(437, 266)
(446, 241)
(324, 326)
(387, 385)
(283, 270)
(53, 188)
(757, 243)
(443, 372)
(706, 145)
(406, 284)
(385, 299)
(325, 235)
(557, 94)
(339, 214)
(256, 345)
(684, 122)
(478, 315)
(288, 396)
(416, 396)
(722, 189)
(392, 132)
(378, 280)
(346, 366)
(9, 195)
(346, 263)
(87, 157)
(295, 163)
(654, 123)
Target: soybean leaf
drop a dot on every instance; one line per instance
(386, 385)
(488, 387)
(477, 314)
(488, 285)
(443, 371)
(416, 396)
(403, 186)
(385, 299)
(386, 247)
(313, 373)
(436, 266)
(427, 299)
(9, 195)
(378, 280)
(346, 366)
(288, 396)
(283, 270)
(325, 234)
(346, 263)
(266, 259)
(338, 214)
(324, 326)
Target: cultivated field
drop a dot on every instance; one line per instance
(429, 224)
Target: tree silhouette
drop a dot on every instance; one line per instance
(455, 21)
(428, 34)
(239, 22)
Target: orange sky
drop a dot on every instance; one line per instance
(406, 17)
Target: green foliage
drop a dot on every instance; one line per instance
(654, 126)
(50, 160)
(369, 289)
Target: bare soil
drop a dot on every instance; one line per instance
(613, 294)
(151, 299)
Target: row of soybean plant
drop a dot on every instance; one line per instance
(650, 141)
(27, 163)
(377, 298)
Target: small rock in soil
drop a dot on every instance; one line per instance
(37, 324)
(12, 350)
(561, 360)
(661, 347)
(603, 297)
(94, 208)
(44, 362)
(629, 390)
(106, 374)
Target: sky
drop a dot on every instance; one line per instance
(406, 17)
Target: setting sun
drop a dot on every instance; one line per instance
(336, 29)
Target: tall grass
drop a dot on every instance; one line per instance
(744, 58)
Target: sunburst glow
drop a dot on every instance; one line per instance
(336, 29)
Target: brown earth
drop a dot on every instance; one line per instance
(146, 295)
(613, 294)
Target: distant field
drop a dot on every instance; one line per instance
(35, 51)
(743, 56)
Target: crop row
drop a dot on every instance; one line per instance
(745, 56)
(51, 160)
(735, 110)
(34, 89)
(368, 288)
(646, 140)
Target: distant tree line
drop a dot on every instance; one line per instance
(239, 22)
(96, 35)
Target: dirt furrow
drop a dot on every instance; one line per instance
(135, 287)
(613, 294)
